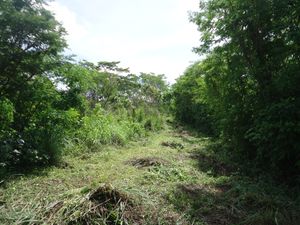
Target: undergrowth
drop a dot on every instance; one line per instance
(145, 182)
(110, 128)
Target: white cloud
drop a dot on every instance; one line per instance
(146, 37)
(76, 31)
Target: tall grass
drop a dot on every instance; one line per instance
(102, 127)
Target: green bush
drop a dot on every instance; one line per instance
(6, 114)
(6, 133)
(275, 135)
(190, 100)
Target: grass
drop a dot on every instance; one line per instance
(171, 177)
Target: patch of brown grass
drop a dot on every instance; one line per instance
(104, 205)
(147, 162)
(172, 144)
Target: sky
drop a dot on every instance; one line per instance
(145, 35)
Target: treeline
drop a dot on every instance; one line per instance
(246, 90)
(51, 105)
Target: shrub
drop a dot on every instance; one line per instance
(275, 135)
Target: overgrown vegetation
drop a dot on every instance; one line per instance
(147, 183)
(51, 105)
(246, 89)
(100, 131)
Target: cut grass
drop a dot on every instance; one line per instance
(189, 185)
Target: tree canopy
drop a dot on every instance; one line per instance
(251, 78)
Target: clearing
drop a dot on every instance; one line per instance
(171, 177)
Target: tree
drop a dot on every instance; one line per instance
(31, 41)
(111, 67)
(257, 45)
(190, 99)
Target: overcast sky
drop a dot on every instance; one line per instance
(145, 35)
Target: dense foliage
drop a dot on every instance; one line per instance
(251, 76)
(51, 105)
(190, 101)
(30, 45)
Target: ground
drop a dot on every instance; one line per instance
(170, 177)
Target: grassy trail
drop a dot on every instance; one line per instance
(169, 178)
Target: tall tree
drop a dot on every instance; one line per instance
(257, 42)
(31, 42)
